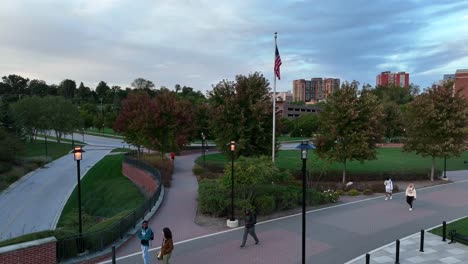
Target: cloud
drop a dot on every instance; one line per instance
(199, 42)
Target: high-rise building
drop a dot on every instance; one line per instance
(315, 90)
(461, 82)
(386, 78)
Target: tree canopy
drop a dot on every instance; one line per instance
(436, 123)
(349, 126)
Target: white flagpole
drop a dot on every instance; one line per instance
(274, 108)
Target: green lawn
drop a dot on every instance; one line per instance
(106, 130)
(54, 150)
(461, 226)
(105, 192)
(293, 139)
(121, 150)
(388, 159)
(63, 140)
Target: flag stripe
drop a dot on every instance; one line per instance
(277, 63)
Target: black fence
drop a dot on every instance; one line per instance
(96, 241)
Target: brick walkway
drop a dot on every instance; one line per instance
(435, 251)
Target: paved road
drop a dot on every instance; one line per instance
(35, 202)
(335, 235)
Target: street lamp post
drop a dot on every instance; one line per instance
(78, 156)
(232, 222)
(445, 168)
(304, 146)
(203, 147)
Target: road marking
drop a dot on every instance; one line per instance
(285, 217)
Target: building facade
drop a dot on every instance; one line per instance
(461, 82)
(285, 109)
(284, 96)
(386, 78)
(315, 90)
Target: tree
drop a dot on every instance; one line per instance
(142, 84)
(242, 111)
(305, 125)
(38, 87)
(10, 146)
(14, 84)
(67, 88)
(436, 123)
(136, 118)
(62, 116)
(285, 125)
(102, 89)
(83, 92)
(349, 126)
(31, 122)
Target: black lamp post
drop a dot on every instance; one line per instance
(232, 146)
(304, 146)
(78, 156)
(46, 152)
(203, 147)
(445, 167)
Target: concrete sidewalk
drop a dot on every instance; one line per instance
(435, 251)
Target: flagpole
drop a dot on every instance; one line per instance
(274, 108)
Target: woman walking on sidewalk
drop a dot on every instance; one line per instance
(410, 195)
(388, 188)
(167, 246)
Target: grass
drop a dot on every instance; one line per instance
(62, 140)
(121, 150)
(106, 130)
(291, 139)
(106, 192)
(54, 150)
(461, 226)
(388, 159)
(28, 237)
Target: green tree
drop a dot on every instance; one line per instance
(14, 84)
(142, 84)
(242, 111)
(305, 125)
(29, 114)
(436, 123)
(349, 126)
(68, 88)
(61, 116)
(38, 87)
(83, 92)
(102, 89)
(10, 146)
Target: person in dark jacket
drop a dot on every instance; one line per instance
(250, 221)
(145, 235)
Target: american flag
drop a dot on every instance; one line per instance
(277, 63)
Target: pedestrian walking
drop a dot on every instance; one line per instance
(167, 246)
(145, 235)
(410, 195)
(250, 221)
(172, 156)
(388, 189)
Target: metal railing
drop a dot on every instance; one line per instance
(96, 241)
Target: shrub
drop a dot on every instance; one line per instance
(197, 170)
(212, 198)
(330, 196)
(353, 192)
(265, 204)
(287, 197)
(339, 192)
(367, 192)
(240, 205)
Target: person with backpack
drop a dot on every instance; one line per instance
(145, 235)
(250, 221)
(388, 188)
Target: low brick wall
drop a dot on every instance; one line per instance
(38, 251)
(140, 178)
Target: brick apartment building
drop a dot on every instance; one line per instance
(284, 96)
(461, 82)
(315, 90)
(386, 78)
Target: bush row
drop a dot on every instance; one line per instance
(335, 176)
(214, 198)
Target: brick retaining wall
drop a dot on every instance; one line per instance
(140, 178)
(38, 251)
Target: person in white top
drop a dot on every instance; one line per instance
(388, 188)
(410, 195)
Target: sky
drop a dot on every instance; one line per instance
(198, 43)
